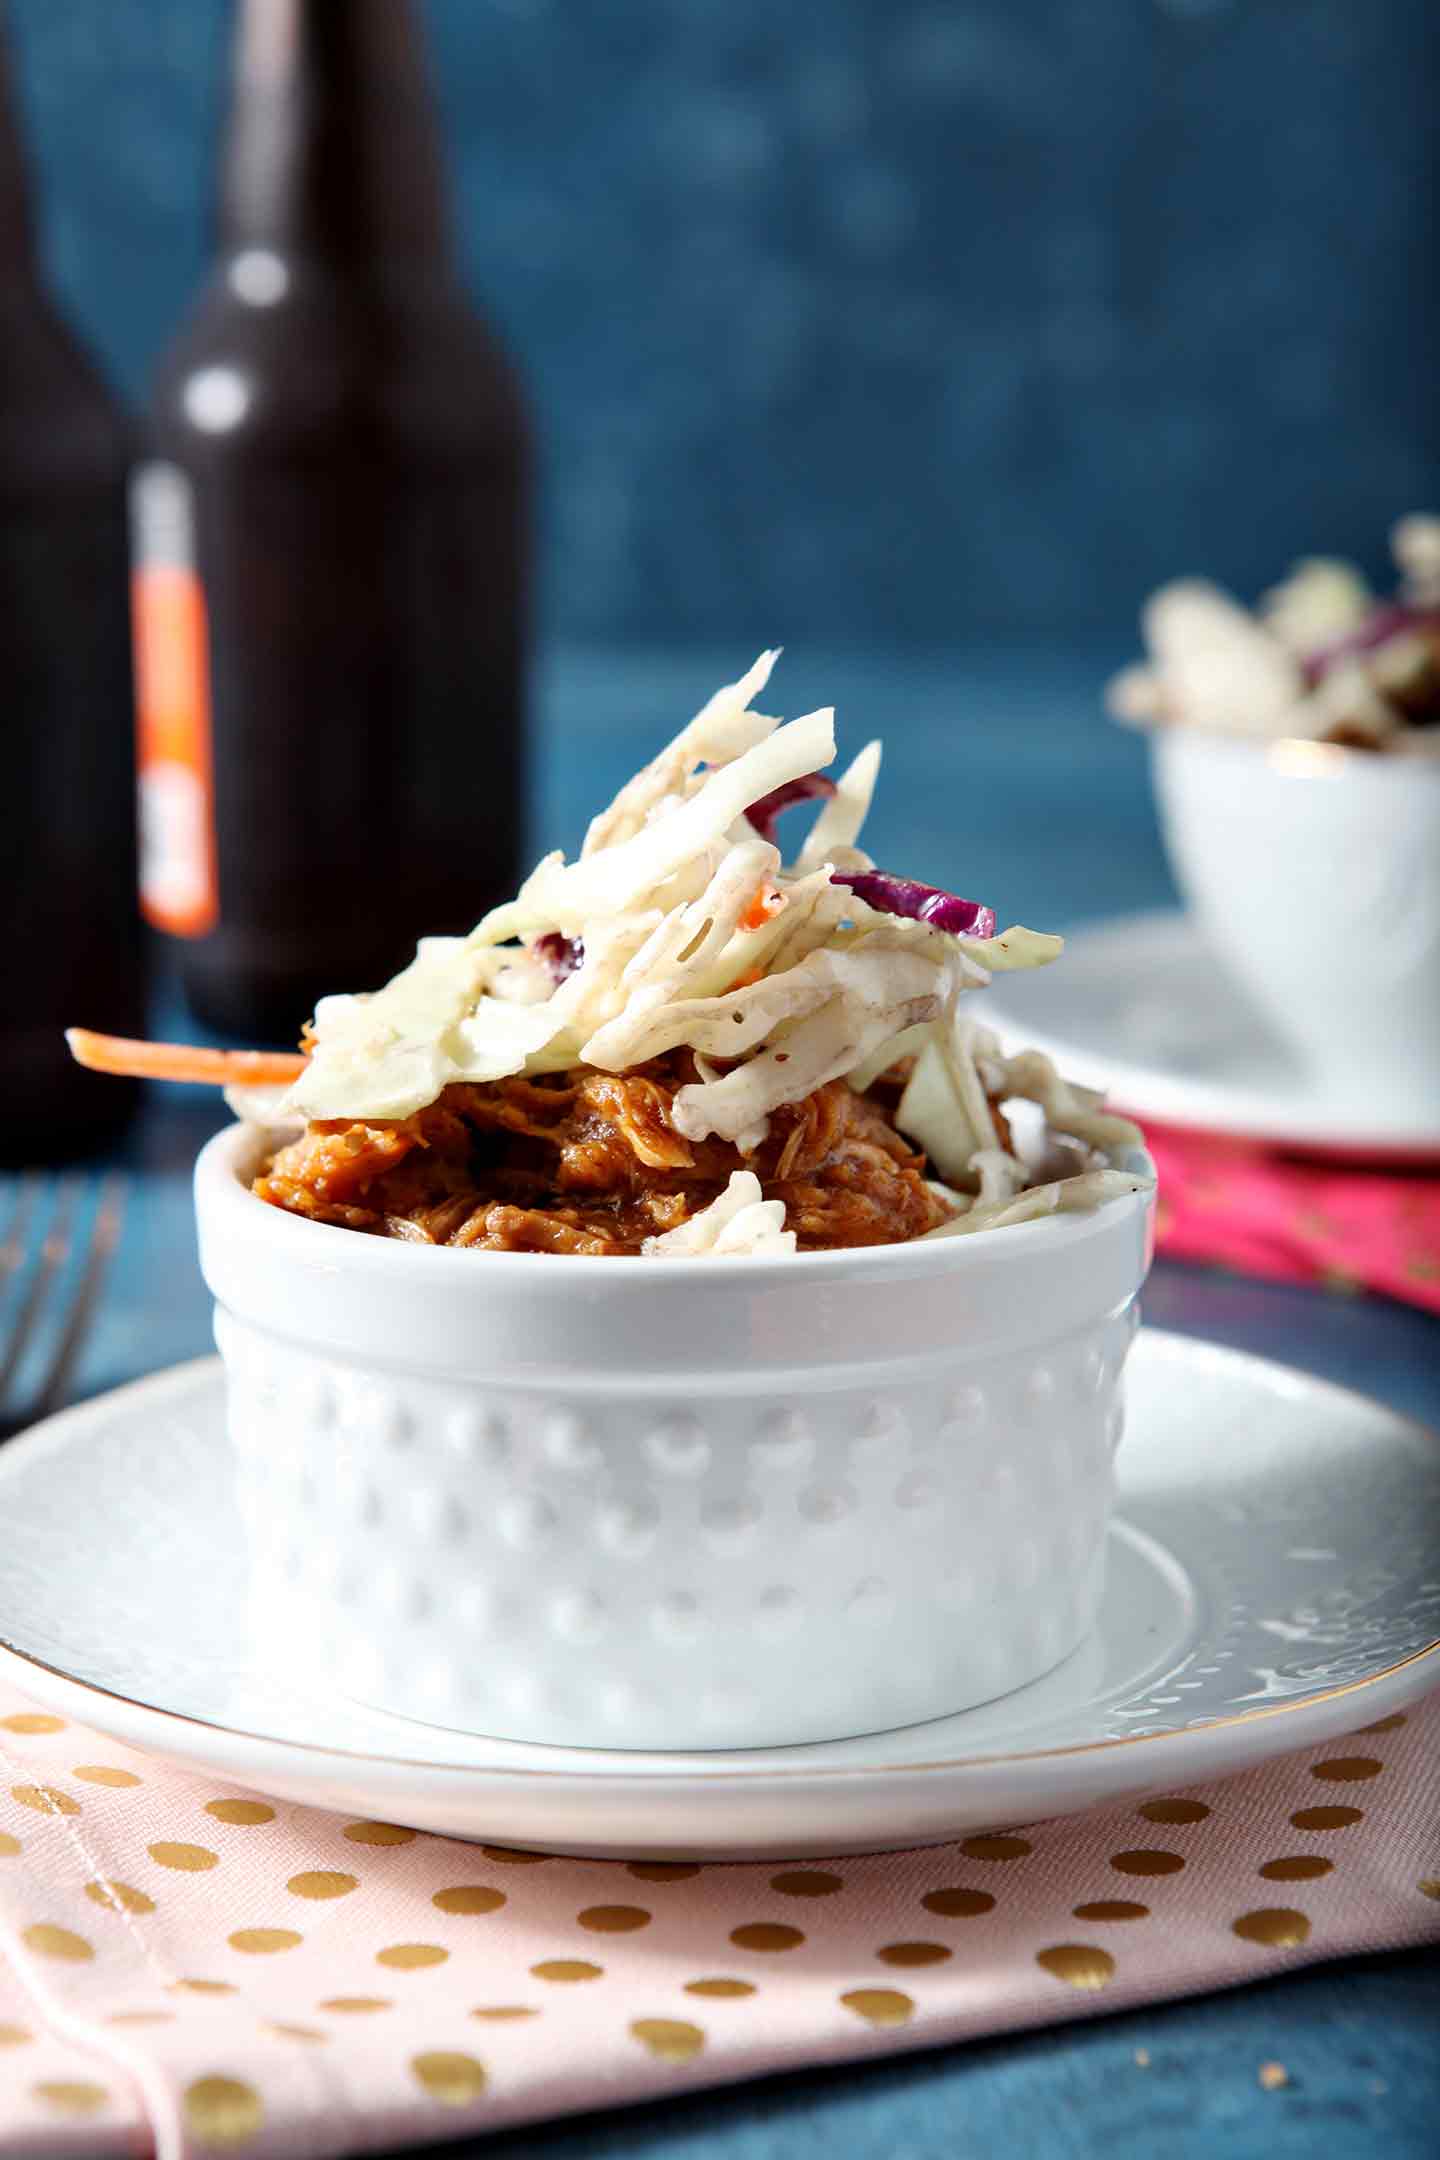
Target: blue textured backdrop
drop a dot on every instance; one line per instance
(874, 316)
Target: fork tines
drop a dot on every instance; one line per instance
(54, 1250)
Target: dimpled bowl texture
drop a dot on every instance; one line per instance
(670, 1504)
(1314, 872)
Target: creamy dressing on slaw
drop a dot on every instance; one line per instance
(689, 930)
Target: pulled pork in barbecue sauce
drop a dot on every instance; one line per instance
(589, 1162)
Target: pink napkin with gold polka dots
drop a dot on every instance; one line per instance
(192, 1970)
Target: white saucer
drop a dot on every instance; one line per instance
(1140, 1008)
(1272, 1584)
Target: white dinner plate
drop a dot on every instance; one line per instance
(1140, 1008)
(1272, 1583)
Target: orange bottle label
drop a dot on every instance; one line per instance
(179, 889)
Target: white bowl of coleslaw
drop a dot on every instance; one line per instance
(1295, 752)
(654, 1325)
(684, 1503)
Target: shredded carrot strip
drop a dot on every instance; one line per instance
(768, 901)
(743, 982)
(183, 1061)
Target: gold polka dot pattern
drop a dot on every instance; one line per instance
(614, 1919)
(45, 1799)
(670, 2040)
(766, 1935)
(189, 1859)
(1277, 1927)
(1296, 1867)
(1326, 1818)
(469, 1898)
(489, 1971)
(452, 2078)
(1079, 1965)
(322, 1883)
(880, 2006)
(118, 1896)
(958, 1902)
(807, 1882)
(71, 2096)
(222, 2112)
(379, 1833)
(1173, 1811)
(48, 1940)
(240, 1811)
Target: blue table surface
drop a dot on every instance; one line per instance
(1003, 781)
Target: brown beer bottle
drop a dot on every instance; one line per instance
(330, 544)
(72, 945)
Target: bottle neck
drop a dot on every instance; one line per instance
(17, 239)
(332, 154)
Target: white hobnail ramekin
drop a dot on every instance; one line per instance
(671, 1504)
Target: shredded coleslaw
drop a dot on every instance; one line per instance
(1322, 658)
(679, 925)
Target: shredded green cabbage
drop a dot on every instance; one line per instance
(692, 932)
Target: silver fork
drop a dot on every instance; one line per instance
(41, 1230)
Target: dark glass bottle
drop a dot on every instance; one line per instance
(72, 944)
(336, 511)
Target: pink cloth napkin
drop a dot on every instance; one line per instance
(193, 1969)
(1241, 1205)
